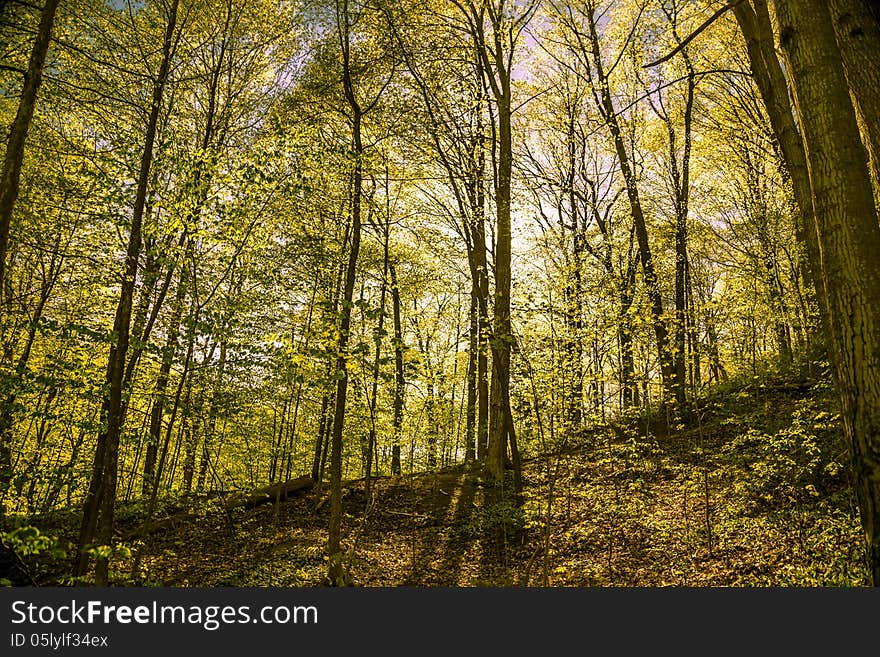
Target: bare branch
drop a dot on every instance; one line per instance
(693, 35)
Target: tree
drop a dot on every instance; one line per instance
(9, 188)
(496, 48)
(849, 239)
(100, 502)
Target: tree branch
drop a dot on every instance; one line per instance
(718, 14)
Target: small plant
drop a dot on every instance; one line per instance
(502, 518)
(28, 540)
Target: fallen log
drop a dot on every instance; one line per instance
(243, 500)
(268, 493)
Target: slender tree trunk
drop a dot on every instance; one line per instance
(213, 412)
(628, 392)
(399, 381)
(483, 329)
(502, 338)
(8, 406)
(320, 439)
(100, 500)
(377, 356)
(431, 412)
(162, 379)
(655, 300)
(470, 442)
(336, 572)
(9, 186)
(9, 183)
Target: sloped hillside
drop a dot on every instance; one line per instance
(752, 490)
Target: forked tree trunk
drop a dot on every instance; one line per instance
(655, 300)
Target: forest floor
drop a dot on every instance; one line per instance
(751, 492)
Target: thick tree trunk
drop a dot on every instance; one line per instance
(770, 79)
(849, 236)
(857, 30)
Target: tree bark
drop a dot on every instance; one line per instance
(11, 176)
(770, 79)
(495, 60)
(857, 30)
(849, 237)
(399, 381)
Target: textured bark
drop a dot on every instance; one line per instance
(771, 82)
(857, 30)
(573, 291)
(849, 236)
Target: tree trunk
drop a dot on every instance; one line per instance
(502, 337)
(97, 524)
(9, 184)
(162, 379)
(849, 236)
(377, 356)
(399, 381)
(770, 79)
(681, 187)
(213, 411)
(470, 442)
(655, 300)
(857, 30)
